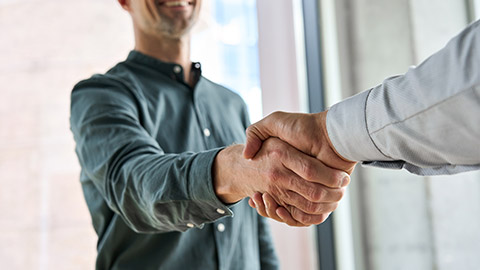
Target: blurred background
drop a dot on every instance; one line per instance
(291, 55)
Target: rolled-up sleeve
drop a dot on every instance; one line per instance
(151, 190)
(426, 121)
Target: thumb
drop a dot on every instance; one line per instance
(259, 132)
(254, 142)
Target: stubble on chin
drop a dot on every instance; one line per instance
(174, 28)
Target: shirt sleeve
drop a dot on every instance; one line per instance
(426, 121)
(268, 257)
(151, 190)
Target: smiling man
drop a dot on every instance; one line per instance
(163, 190)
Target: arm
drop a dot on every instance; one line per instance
(425, 121)
(156, 192)
(292, 178)
(151, 190)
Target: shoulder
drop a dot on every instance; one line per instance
(107, 90)
(115, 77)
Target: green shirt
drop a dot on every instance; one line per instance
(146, 142)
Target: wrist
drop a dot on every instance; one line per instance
(224, 175)
(338, 161)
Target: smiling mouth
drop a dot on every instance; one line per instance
(176, 3)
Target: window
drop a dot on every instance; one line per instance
(226, 43)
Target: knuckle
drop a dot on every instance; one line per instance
(292, 183)
(308, 170)
(340, 194)
(275, 153)
(311, 207)
(317, 194)
(276, 114)
(315, 208)
(273, 175)
(300, 217)
(338, 179)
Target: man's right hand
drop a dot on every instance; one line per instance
(293, 179)
(307, 133)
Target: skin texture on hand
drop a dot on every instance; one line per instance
(307, 133)
(291, 178)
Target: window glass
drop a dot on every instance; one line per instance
(226, 43)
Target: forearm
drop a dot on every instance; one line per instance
(155, 192)
(151, 190)
(427, 118)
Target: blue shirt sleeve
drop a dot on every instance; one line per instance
(151, 190)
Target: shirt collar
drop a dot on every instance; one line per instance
(171, 70)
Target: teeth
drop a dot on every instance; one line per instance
(176, 3)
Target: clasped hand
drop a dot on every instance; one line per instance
(316, 182)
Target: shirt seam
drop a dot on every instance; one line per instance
(368, 131)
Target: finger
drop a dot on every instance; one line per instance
(259, 132)
(271, 207)
(287, 218)
(253, 144)
(313, 170)
(305, 218)
(310, 191)
(309, 207)
(251, 203)
(257, 199)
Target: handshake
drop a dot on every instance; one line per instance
(288, 168)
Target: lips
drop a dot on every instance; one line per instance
(176, 3)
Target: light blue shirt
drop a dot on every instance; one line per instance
(426, 121)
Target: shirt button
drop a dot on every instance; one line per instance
(190, 225)
(197, 65)
(177, 69)
(221, 227)
(220, 211)
(206, 132)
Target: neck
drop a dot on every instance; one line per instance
(171, 50)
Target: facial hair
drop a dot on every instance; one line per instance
(175, 27)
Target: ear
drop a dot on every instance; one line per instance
(125, 4)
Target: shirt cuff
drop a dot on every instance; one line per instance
(348, 131)
(201, 187)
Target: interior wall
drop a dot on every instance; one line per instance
(46, 47)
